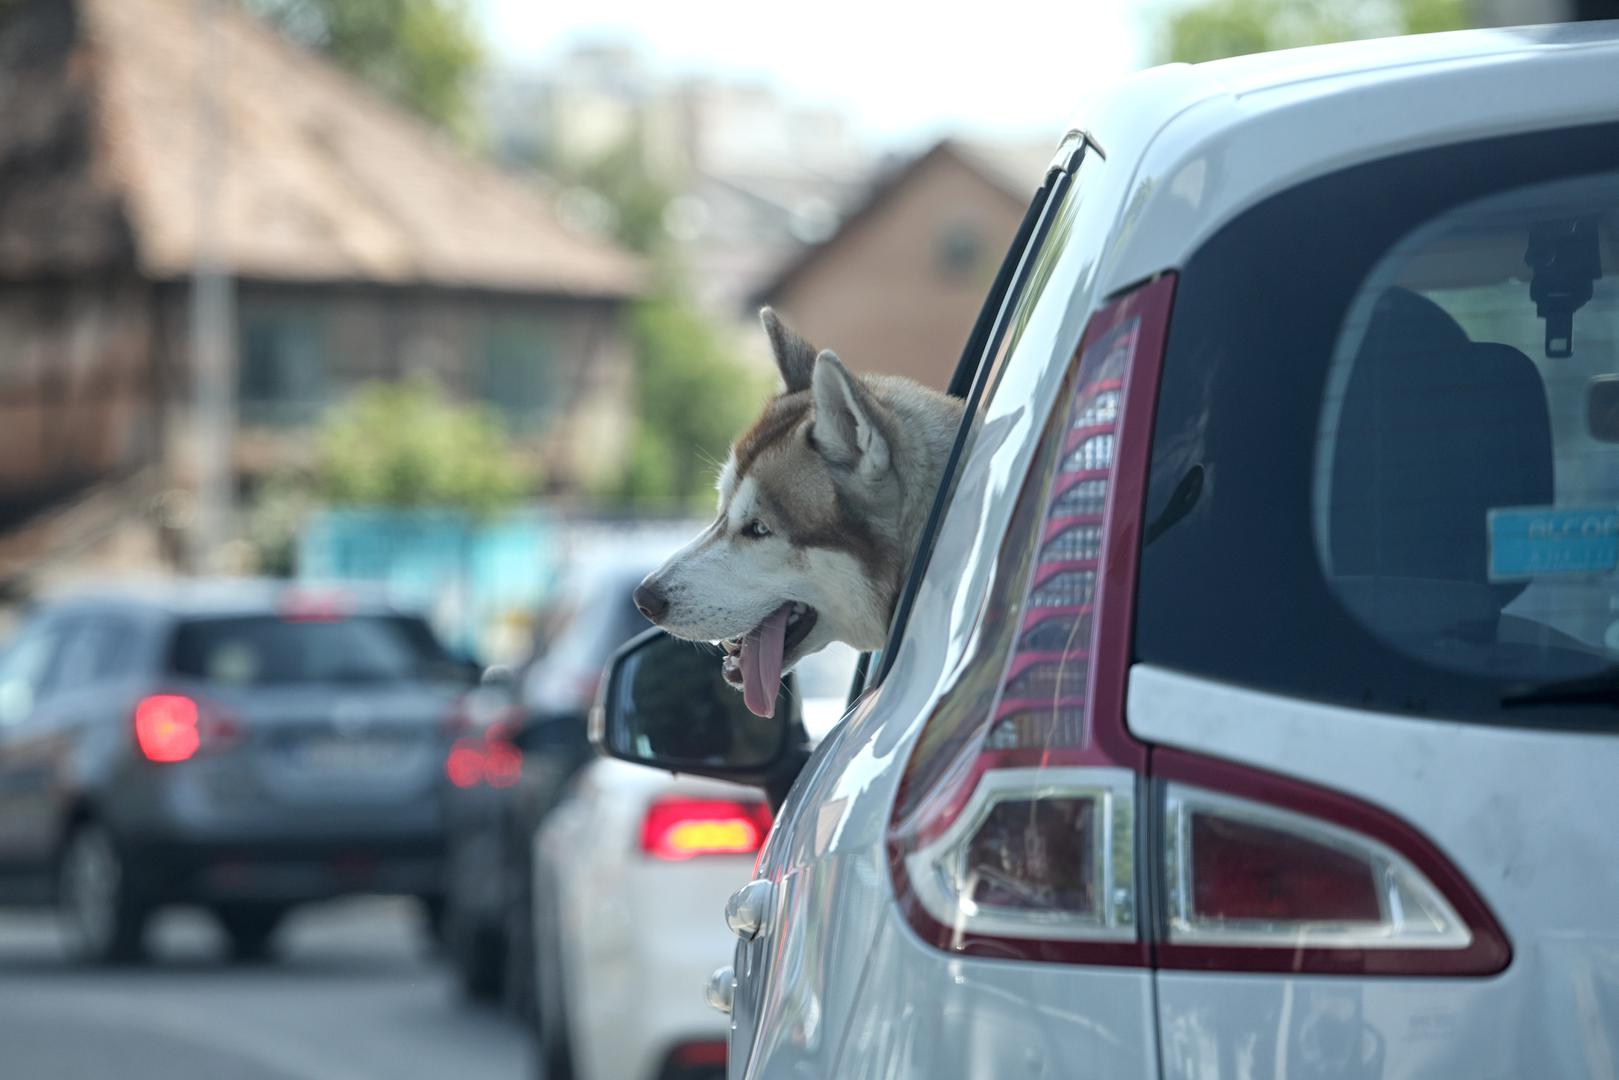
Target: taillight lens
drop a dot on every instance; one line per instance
(677, 828)
(166, 727)
(1014, 830)
(1247, 873)
(502, 760)
(171, 728)
(491, 758)
(1015, 827)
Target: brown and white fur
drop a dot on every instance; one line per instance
(820, 505)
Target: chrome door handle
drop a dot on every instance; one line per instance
(748, 909)
(721, 989)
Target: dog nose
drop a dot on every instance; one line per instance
(650, 601)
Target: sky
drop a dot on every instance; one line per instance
(903, 71)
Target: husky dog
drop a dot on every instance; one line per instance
(821, 504)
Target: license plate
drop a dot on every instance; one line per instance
(350, 755)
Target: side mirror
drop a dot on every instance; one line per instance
(664, 703)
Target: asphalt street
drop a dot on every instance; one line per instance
(354, 994)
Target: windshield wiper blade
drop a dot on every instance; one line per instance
(1599, 689)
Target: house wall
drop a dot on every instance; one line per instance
(898, 289)
(556, 371)
(77, 403)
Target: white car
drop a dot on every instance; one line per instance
(1253, 708)
(631, 873)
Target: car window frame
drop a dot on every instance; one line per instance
(971, 378)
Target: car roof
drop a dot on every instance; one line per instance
(200, 597)
(1201, 143)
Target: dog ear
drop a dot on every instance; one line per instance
(847, 426)
(795, 357)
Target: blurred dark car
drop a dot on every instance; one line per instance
(522, 740)
(244, 746)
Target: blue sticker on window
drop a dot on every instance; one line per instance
(1533, 541)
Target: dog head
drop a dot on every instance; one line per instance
(806, 548)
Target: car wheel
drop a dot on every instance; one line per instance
(553, 1049)
(102, 918)
(479, 958)
(518, 959)
(250, 928)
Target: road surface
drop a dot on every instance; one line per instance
(354, 995)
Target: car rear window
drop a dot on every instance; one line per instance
(1386, 461)
(260, 650)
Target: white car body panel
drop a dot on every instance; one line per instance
(1554, 1011)
(1228, 134)
(838, 985)
(639, 935)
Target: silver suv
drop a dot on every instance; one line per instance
(243, 746)
(1253, 706)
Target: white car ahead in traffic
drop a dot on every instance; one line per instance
(631, 873)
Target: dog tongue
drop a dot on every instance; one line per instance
(761, 662)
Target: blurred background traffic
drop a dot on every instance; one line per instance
(356, 358)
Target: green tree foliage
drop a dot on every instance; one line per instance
(425, 54)
(407, 445)
(635, 199)
(1214, 29)
(692, 397)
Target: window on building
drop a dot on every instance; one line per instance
(960, 250)
(283, 370)
(516, 373)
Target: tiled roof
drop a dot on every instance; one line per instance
(319, 178)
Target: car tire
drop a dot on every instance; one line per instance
(519, 993)
(102, 915)
(250, 928)
(553, 1048)
(435, 917)
(479, 959)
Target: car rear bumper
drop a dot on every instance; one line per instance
(643, 955)
(170, 870)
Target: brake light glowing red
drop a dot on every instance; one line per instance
(166, 727)
(502, 761)
(464, 765)
(491, 758)
(707, 1054)
(314, 606)
(676, 828)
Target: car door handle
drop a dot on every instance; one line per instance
(748, 909)
(721, 989)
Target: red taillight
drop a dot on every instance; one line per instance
(1245, 872)
(1266, 873)
(166, 727)
(1014, 830)
(502, 760)
(305, 605)
(463, 767)
(685, 828)
(708, 1054)
(173, 727)
(491, 758)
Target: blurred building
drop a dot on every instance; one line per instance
(752, 174)
(896, 288)
(141, 137)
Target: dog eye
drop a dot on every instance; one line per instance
(755, 530)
